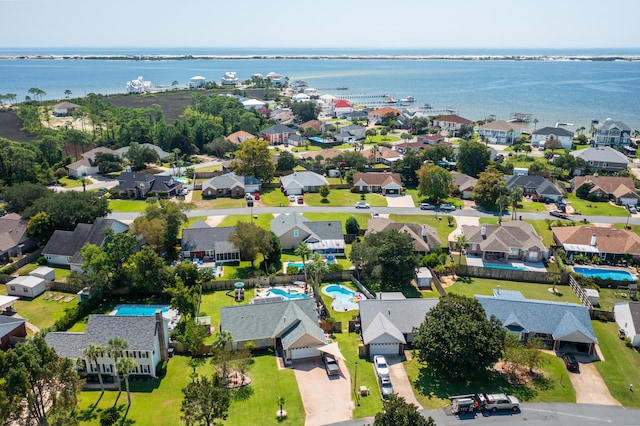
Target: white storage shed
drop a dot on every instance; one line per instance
(26, 286)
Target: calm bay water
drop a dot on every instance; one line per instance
(558, 90)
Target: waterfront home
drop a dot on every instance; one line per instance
(387, 322)
(536, 187)
(514, 240)
(338, 107)
(601, 158)
(142, 185)
(425, 238)
(381, 183)
(609, 244)
(230, 185)
(324, 236)
(138, 86)
(555, 324)
(451, 123)
(209, 243)
(612, 133)
(298, 183)
(229, 78)
(64, 109)
(620, 189)
(147, 338)
(288, 327)
(544, 134)
(13, 237)
(197, 82)
(63, 248)
(500, 131)
(277, 134)
(377, 114)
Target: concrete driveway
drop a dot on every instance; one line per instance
(400, 381)
(401, 201)
(588, 384)
(463, 221)
(326, 399)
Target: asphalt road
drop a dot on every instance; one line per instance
(533, 414)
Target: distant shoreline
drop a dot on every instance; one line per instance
(146, 57)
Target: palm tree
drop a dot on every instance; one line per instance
(84, 181)
(67, 93)
(317, 267)
(527, 149)
(115, 347)
(514, 198)
(462, 242)
(125, 366)
(535, 123)
(92, 353)
(221, 349)
(304, 252)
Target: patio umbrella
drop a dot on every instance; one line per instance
(332, 349)
(239, 284)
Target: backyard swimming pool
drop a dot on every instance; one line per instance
(344, 299)
(289, 295)
(181, 179)
(140, 310)
(603, 274)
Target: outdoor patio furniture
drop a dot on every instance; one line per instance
(364, 391)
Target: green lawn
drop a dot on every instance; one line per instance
(127, 206)
(157, 402)
(42, 313)
(469, 286)
(212, 301)
(442, 226)
(432, 390)
(263, 220)
(209, 168)
(68, 182)
(306, 148)
(218, 203)
(620, 365)
(343, 197)
(592, 208)
(274, 197)
(609, 297)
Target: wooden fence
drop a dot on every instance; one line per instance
(14, 266)
(580, 293)
(271, 281)
(362, 288)
(511, 274)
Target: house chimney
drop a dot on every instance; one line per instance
(424, 232)
(483, 232)
(593, 240)
(162, 338)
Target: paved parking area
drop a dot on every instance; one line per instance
(326, 399)
(401, 201)
(588, 384)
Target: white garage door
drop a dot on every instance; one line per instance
(294, 191)
(627, 201)
(383, 349)
(306, 352)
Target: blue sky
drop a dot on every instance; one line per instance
(384, 24)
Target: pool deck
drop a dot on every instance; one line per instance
(526, 266)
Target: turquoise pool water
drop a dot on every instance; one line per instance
(614, 274)
(341, 292)
(140, 310)
(500, 266)
(290, 295)
(298, 265)
(181, 179)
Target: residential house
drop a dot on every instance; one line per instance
(383, 155)
(602, 158)
(316, 125)
(377, 114)
(138, 86)
(197, 82)
(64, 247)
(381, 183)
(276, 79)
(500, 131)
(300, 97)
(324, 237)
(296, 140)
(339, 107)
(142, 185)
(357, 115)
(12, 331)
(204, 242)
(13, 237)
(515, 240)
(26, 286)
(433, 139)
(536, 187)
(288, 327)
(147, 338)
(556, 325)
(610, 244)
(351, 133)
(464, 184)
(91, 154)
(64, 109)
(387, 323)
(239, 136)
(298, 183)
(544, 134)
(618, 188)
(627, 315)
(277, 134)
(230, 185)
(452, 123)
(405, 147)
(81, 168)
(252, 103)
(425, 238)
(282, 116)
(162, 154)
(612, 133)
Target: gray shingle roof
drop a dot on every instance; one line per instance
(230, 180)
(303, 180)
(12, 229)
(277, 129)
(287, 319)
(601, 154)
(8, 324)
(534, 183)
(201, 238)
(140, 332)
(404, 314)
(326, 229)
(613, 124)
(155, 183)
(559, 319)
(553, 131)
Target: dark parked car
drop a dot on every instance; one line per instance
(571, 362)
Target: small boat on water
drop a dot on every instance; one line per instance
(408, 99)
(427, 106)
(342, 88)
(390, 100)
(563, 123)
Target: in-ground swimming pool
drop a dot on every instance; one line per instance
(290, 295)
(603, 274)
(344, 299)
(181, 179)
(140, 310)
(298, 265)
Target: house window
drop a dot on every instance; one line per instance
(295, 233)
(13, 288)
(26, 290)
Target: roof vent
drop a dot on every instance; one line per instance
(389, 311)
